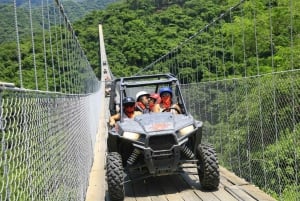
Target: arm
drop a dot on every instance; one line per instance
(137, 113)
(177, 107)
(114, 118)
(156, 108)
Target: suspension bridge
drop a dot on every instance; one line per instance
(54, 111)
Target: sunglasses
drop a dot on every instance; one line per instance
(151, 99)
(165, 95)
(129, 105)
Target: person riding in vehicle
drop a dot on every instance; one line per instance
(128, 108)
(166, 104)
(154, 101)
(142, 103)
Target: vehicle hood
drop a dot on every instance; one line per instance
(156, 122)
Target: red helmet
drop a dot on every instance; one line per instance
(156, 97)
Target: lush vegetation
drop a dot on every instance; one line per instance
(254, 125)
(77, 9)
(137, 32)
(9, 66)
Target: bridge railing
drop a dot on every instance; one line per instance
(49, 106)
(47, 143)
(254, 124)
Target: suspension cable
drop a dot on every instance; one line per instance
(61, 22)
(44, 45)
(51, 48)
(57, 49)
(275, 112)
(190, 38)
(292, 78)
(18, 44)
(33, 46)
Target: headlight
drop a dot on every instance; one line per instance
(131, 136)
(186, 130)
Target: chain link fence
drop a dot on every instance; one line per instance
(49, 106)
(47, 143)
(254, 125)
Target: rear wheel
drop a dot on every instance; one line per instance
(115, 176)
(208, 167)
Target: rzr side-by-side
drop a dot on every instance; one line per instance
(155, 144)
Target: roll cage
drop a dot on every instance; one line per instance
(129, 86)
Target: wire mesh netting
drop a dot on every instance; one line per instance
(49, 106)
(47, 144)
(242, 82)
(254, 125)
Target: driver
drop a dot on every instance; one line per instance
(166, 101)
(142, 103)
(128, 108)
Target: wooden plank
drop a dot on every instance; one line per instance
(223, 195)
(239, 193)
(140, 190)
(257, 193)
(235, 191)
(170, 191)
(193, 180)
(155, 191)
(185, 191)
(225, 182)
(97, 184)
(232, 177)
(251, 190)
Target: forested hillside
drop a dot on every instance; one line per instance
(75, 9)
(138, 32)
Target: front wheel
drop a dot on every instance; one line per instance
(208, 167)
(115, 176)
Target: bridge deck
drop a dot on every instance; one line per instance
(168, 188)
(187, 188)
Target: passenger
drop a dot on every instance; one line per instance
(154, 101)
(166, 101)
(128, 108)
(142, 103)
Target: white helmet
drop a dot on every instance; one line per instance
(141, 93)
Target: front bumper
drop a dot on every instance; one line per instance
(162, 162)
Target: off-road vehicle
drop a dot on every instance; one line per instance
(155, 144)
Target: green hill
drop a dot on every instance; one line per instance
(137, 32)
